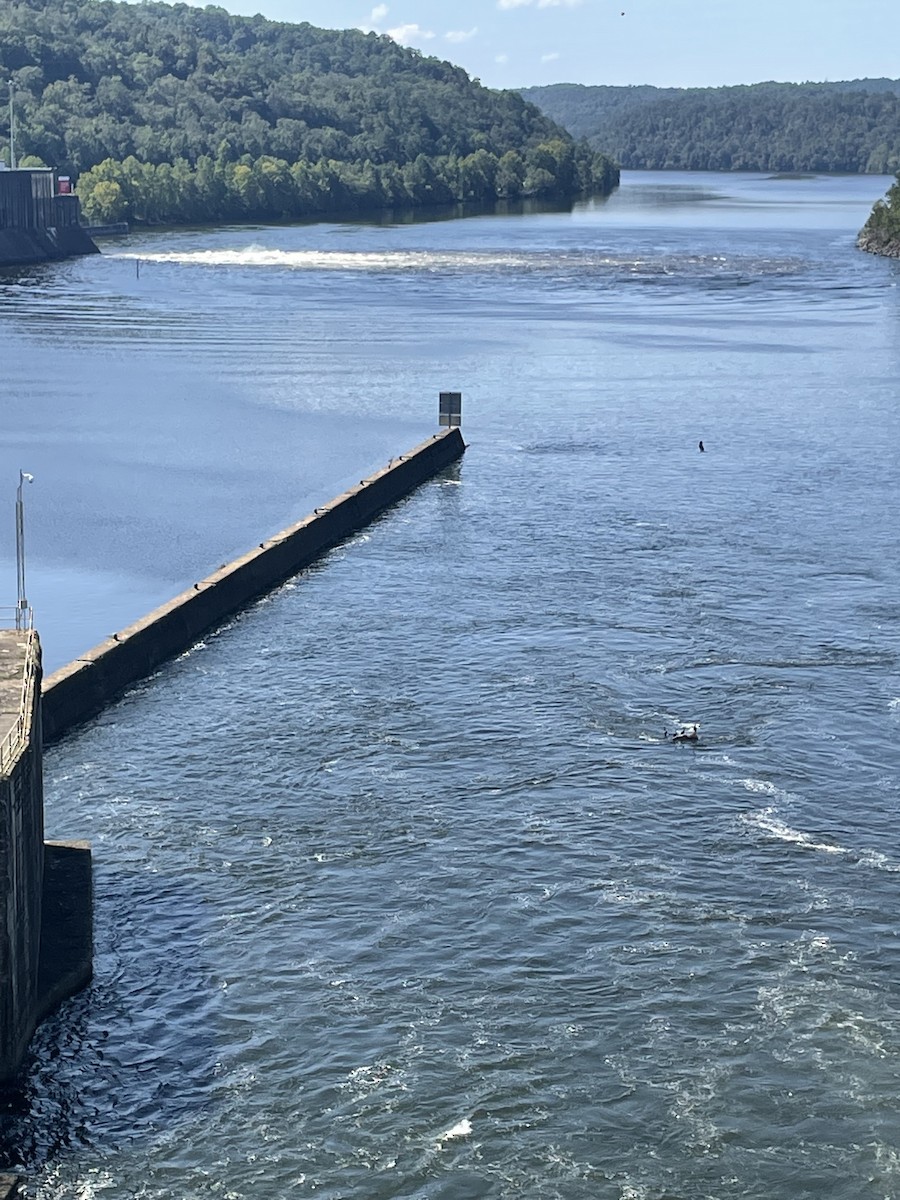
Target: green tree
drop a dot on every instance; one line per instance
(510, 174)
(102, 203)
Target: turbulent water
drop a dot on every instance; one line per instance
(400, 889)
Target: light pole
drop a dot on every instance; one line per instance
(22, 605)
(12, 129)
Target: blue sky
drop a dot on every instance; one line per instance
(671, 43)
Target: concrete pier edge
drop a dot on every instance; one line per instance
(83, 688)
(46, 896)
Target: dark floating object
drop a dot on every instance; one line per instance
(702, 447)
(687, 733)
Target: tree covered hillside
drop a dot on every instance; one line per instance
(173, 112)
(852, 126)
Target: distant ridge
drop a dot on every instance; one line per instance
(851, 126)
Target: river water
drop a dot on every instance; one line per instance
(400, 889)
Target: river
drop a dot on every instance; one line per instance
(401, 891)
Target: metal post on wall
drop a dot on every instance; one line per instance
(22, 603)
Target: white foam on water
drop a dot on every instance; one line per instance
(878, 861)
(434, 261)
(766, 822)
(334, 260)
(862, 1033)
(761, 786)
(195, 649)
(888, 1160)
(460, 1130)
(376, 1079)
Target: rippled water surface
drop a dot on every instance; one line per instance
(400, 889)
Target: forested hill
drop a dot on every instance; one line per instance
(192, 113)
(852, 126)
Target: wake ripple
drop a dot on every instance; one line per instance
(774, 828)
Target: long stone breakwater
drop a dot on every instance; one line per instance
(78, 691)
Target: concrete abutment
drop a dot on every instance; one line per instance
(45, 888)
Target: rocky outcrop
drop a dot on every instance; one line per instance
(877, 241)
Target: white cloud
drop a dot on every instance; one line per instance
(460, 35)
(540, 3)
(502, 59)
(407, 34)
(549, 57)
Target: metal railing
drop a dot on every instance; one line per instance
(17, 738)
(14, 616)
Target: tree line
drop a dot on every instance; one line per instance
(170, 112)
(269, 188)
(850, 127)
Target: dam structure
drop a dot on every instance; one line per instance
(38, 221)
(45, 887)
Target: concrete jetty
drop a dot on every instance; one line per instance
(13, 662)
(86, 686)
(46, 910)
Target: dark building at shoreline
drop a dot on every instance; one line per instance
(39, 220)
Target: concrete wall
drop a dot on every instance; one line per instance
(46, 909)
(84, 687)
(21, 883)
(19, 246)
(67, 925)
